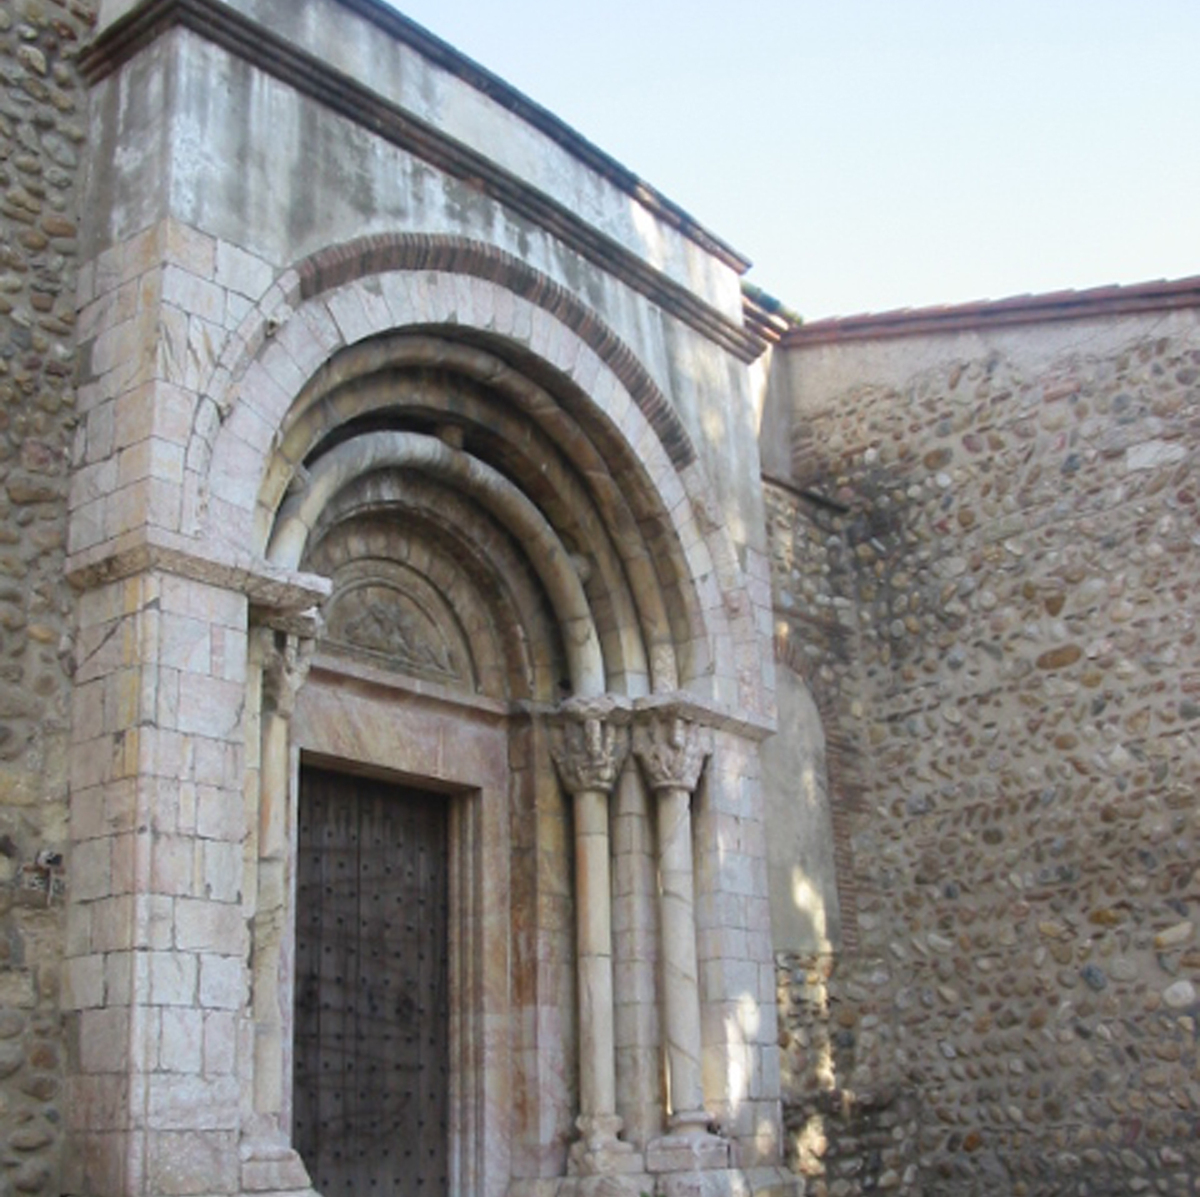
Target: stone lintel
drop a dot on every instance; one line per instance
(337, 669)
(272, 588)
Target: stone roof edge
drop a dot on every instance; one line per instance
(1051, 307)
(766, 317)
(244, 38)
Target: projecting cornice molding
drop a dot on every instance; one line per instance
(311, 77)
(278, 590)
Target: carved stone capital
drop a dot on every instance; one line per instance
(286, 662)
(671, 748)
(589, 741)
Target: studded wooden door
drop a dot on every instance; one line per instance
(371, 1092)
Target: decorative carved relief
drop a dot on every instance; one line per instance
(589, 741)
(286, 661)
(671, 748)
(387, 612)
(384, 621)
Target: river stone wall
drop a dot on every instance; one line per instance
(986, 563)
(42, 130)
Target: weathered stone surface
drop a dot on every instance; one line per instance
(40, 132)
(992, 609)
(999, 631)
(1180, 996)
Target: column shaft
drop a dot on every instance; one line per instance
(672, 748)
(593, 903)
(589, 744)
(681, 986)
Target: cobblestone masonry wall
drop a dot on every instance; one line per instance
(1014, 564)
(42, 122)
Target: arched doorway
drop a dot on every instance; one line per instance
(524, 566)
(488, 559)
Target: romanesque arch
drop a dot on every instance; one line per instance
(491, 323)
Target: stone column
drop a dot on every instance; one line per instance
(589, 744)
(671, 749)
(268, 1162)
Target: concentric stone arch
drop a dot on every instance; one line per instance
(349, 294)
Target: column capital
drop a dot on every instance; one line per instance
(671, 746)
(589, 741)
(286, 659)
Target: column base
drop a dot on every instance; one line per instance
(270, 1167)
(605, 1159)
(731, 1182)
(719, 1182)
(600, 1152)
(775, 1182)
(689, 1151)
(635, 1184)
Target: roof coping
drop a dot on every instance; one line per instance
(1116, 300)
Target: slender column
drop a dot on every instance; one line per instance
(671, 750)
(268, 1161)
(589, 744)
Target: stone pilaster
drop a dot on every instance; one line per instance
(589, 744)
(156, 979)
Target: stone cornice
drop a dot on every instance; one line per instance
(154, 549)
(684, 705)
(308, 75)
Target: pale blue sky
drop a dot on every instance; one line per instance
(871, 154)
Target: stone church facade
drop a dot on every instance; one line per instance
(488, 702)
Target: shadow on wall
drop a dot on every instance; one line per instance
(844, 1132)
(805, 915)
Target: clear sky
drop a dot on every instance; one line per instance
(873, 154)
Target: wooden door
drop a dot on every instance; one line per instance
(372, 1059)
